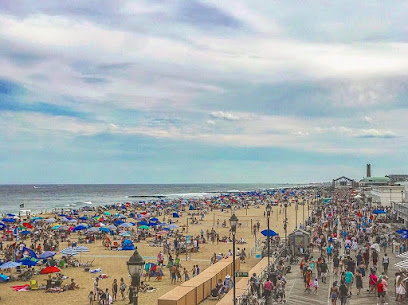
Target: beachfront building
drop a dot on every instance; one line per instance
(374, 181)
(385, 195)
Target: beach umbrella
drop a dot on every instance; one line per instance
(107, 213)
(83, 218)
(118, 222)
(125, 225)
(72, 221)
(50, 269)
(154, 219)
(55, 227)
(401, 231)
(172, 226)
(4, 278)
(106, 230)
(50, 220)
(379, 212)
(10, 265)
(46, 254)
(11, 215)
(271, 233)
(28, 261)
(25, 232)
(28, 225)
(9, 220)
(143, 223)
(2, 226)
(376, 247)
(124, 234)
(111, 227)
(162, 232)
(63, 228)
(93, 230)
(69, 251)
(79, 228)
(144, 227)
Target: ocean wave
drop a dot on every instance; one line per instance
(146, 196)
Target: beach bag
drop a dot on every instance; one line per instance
(123, 287)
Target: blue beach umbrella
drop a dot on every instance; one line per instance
(2, 226)
(379, 212)
(103, 229)
(11, 215)
(46, 254)
(9, 220)
(401, 231)
(271, 233)
(25, 232)
(125, 225)
(10, 265)
(69, 251)
(79, 228)
(4, 278)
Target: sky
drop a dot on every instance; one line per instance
(208, 91)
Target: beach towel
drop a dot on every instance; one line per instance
(20, 288)
(95, 270)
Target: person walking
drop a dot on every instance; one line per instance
(114, 289)
(334, 293)
(344, 294)
(385, 262)
(359, 281)
(400, 288)
(122, 288)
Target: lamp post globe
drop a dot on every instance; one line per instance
(135, 266)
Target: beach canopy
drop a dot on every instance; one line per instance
(50, 269)
(271, 233)
(10, 265)
(46, 254)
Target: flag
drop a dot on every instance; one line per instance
(21, 205)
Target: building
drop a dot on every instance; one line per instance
(371, 181)
(343, 182)
(401, 209)
(397, 178)
(385, 195)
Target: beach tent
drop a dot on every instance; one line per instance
(176, 215)
(29, 252)
(128, 245)
(28, 261)
(4, 278)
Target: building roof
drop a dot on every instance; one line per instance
(376, 179)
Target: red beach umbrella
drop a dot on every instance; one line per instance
(50, 269)
(28, 225)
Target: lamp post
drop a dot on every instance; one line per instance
(402, 196)
(296, 208)
(268, 214)
(135, 266)
(303, 202)
(390, 195)
(285, 227)
(233, 223)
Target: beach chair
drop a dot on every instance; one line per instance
(33, 285)
(115, 245)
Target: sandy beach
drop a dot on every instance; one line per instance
(113, 263)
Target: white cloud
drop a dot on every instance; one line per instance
(224, 116)
(210, 122)
(368, 119)
(374, 133)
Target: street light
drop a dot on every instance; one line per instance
(303, 202)
(285, 227)
(268, 214)
(296, 208)
(233, 223)
(135, 266)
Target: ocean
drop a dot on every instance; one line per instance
(39, 198)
